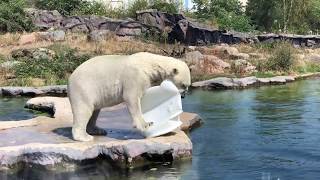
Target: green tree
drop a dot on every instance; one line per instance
(12, 16)
(65, 7)
(298, 16)
(263, 13)
(229, 14)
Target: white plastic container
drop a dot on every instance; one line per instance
(162, 106)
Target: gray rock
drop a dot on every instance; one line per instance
(247, 81)
(311, 43)
(36, 53)
(243, 66)
(193, 57)
(34, 91)
(131, 29)
(11, 91)
(216, 83)
(99, 35)
(236, 83)
(205, 64)
(44, 19)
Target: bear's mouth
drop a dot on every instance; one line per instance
(183, 92)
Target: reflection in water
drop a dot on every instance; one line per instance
(97, 169)
(264, 133)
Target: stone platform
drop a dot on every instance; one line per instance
(47, 140)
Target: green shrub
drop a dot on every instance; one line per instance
(164, 6)
(65, 7)
(309, 67)
(55, 70)
(282, 58)
(137, 5)
(12, 16)
(91, 8)
(231, 21)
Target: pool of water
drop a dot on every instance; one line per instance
(264, 133)
(13, 109)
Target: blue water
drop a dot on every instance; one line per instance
(13, 109)
(264, 133)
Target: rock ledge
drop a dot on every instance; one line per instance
(47, 141)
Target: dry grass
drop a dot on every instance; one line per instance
(113, 45)
(245, 48)
(9, 39)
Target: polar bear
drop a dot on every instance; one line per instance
(112, 79)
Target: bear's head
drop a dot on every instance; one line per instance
(181, 77)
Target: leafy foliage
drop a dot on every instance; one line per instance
(229, 14)
(297, 16)
(137, 5)
(56, 69)
(282, 58)
(164, 6)
(12, 16)
(91, 8)
(65, 7)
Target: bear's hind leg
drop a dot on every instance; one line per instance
(92, 128)
(81, 117)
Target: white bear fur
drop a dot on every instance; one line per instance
(112, 79)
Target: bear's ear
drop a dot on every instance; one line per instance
(175, 71)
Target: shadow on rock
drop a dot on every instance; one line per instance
(120, 134)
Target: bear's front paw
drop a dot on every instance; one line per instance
(143, 125)
(79, 135)
(84, 138)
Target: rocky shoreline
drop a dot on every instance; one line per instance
(12, 91)
(222, 83)
(211, 84)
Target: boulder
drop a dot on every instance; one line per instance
(216, 83)
(99, 35)
(131, 29)
(212, 64)
(223, 51)
(86, 24)
(36, 53)
(59, 90)
(44, 19)
(205, 64)
(243, 67)
(193, 57)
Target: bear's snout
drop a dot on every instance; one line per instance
(183, 92)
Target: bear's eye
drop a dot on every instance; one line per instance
(175, 71)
